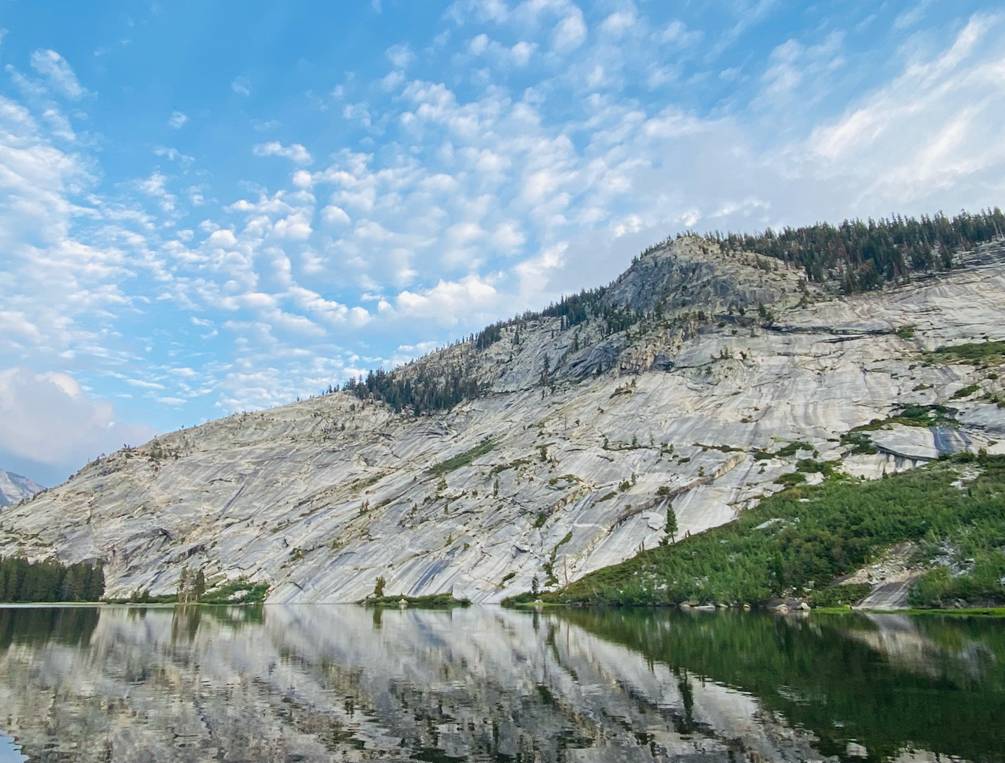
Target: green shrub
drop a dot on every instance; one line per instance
(791, 479)
(965, 391)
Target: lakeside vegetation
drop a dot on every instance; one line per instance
(192, 590)
(800, 541)
(49, 581)
(380, 599)
(433, 601)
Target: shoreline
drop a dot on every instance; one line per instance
(983, 612)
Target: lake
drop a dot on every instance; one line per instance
(318, 683)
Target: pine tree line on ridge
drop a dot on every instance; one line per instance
(859, 255)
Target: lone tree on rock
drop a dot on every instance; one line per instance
(671, 525)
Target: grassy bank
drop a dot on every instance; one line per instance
(435, 601)
(799, 541)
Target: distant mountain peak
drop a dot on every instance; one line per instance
(15, 488)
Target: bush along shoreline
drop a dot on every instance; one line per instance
(798, 545)
(382, 600)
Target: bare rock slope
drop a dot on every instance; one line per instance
(700, 379)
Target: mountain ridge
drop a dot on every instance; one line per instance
(548, 472)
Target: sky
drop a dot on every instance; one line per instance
(218, 207)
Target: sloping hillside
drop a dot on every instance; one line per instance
(697, 381)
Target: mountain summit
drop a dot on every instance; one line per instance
(560, 442)
(15, 488)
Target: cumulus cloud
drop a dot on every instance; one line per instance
(50, 425)
(570, 32)
(295, 152)
(447, 301)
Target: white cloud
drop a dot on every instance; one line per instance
(335, 215)
(177, 120)
(478, 44)
(793, 64)
(619, 22)
(521, 52)
(679, 35)
(400, 56)
(173, 155)
(296, 226)
(912, 15)
(57, 71)
(241, 86)
(222, 238)
(46, 419)
(518, 54)
(570, 32)
(930, 134)
(295, 152)
(448, 301)
(155, 186)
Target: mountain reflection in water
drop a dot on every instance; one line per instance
(345, 683)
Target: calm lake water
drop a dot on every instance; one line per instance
(344, 683)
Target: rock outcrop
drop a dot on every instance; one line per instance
(731, 369)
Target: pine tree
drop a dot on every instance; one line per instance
(671, 524)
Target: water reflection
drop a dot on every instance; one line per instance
(344, 683)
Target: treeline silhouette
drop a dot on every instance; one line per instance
(24, 581)
(421, 392)
(863, 255)
(872, 252)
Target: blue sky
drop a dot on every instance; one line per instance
(214, 207)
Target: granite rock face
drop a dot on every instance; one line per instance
(569, 460)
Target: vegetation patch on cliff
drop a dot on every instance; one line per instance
(800, 540)
(972, 353)
(462, 459)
